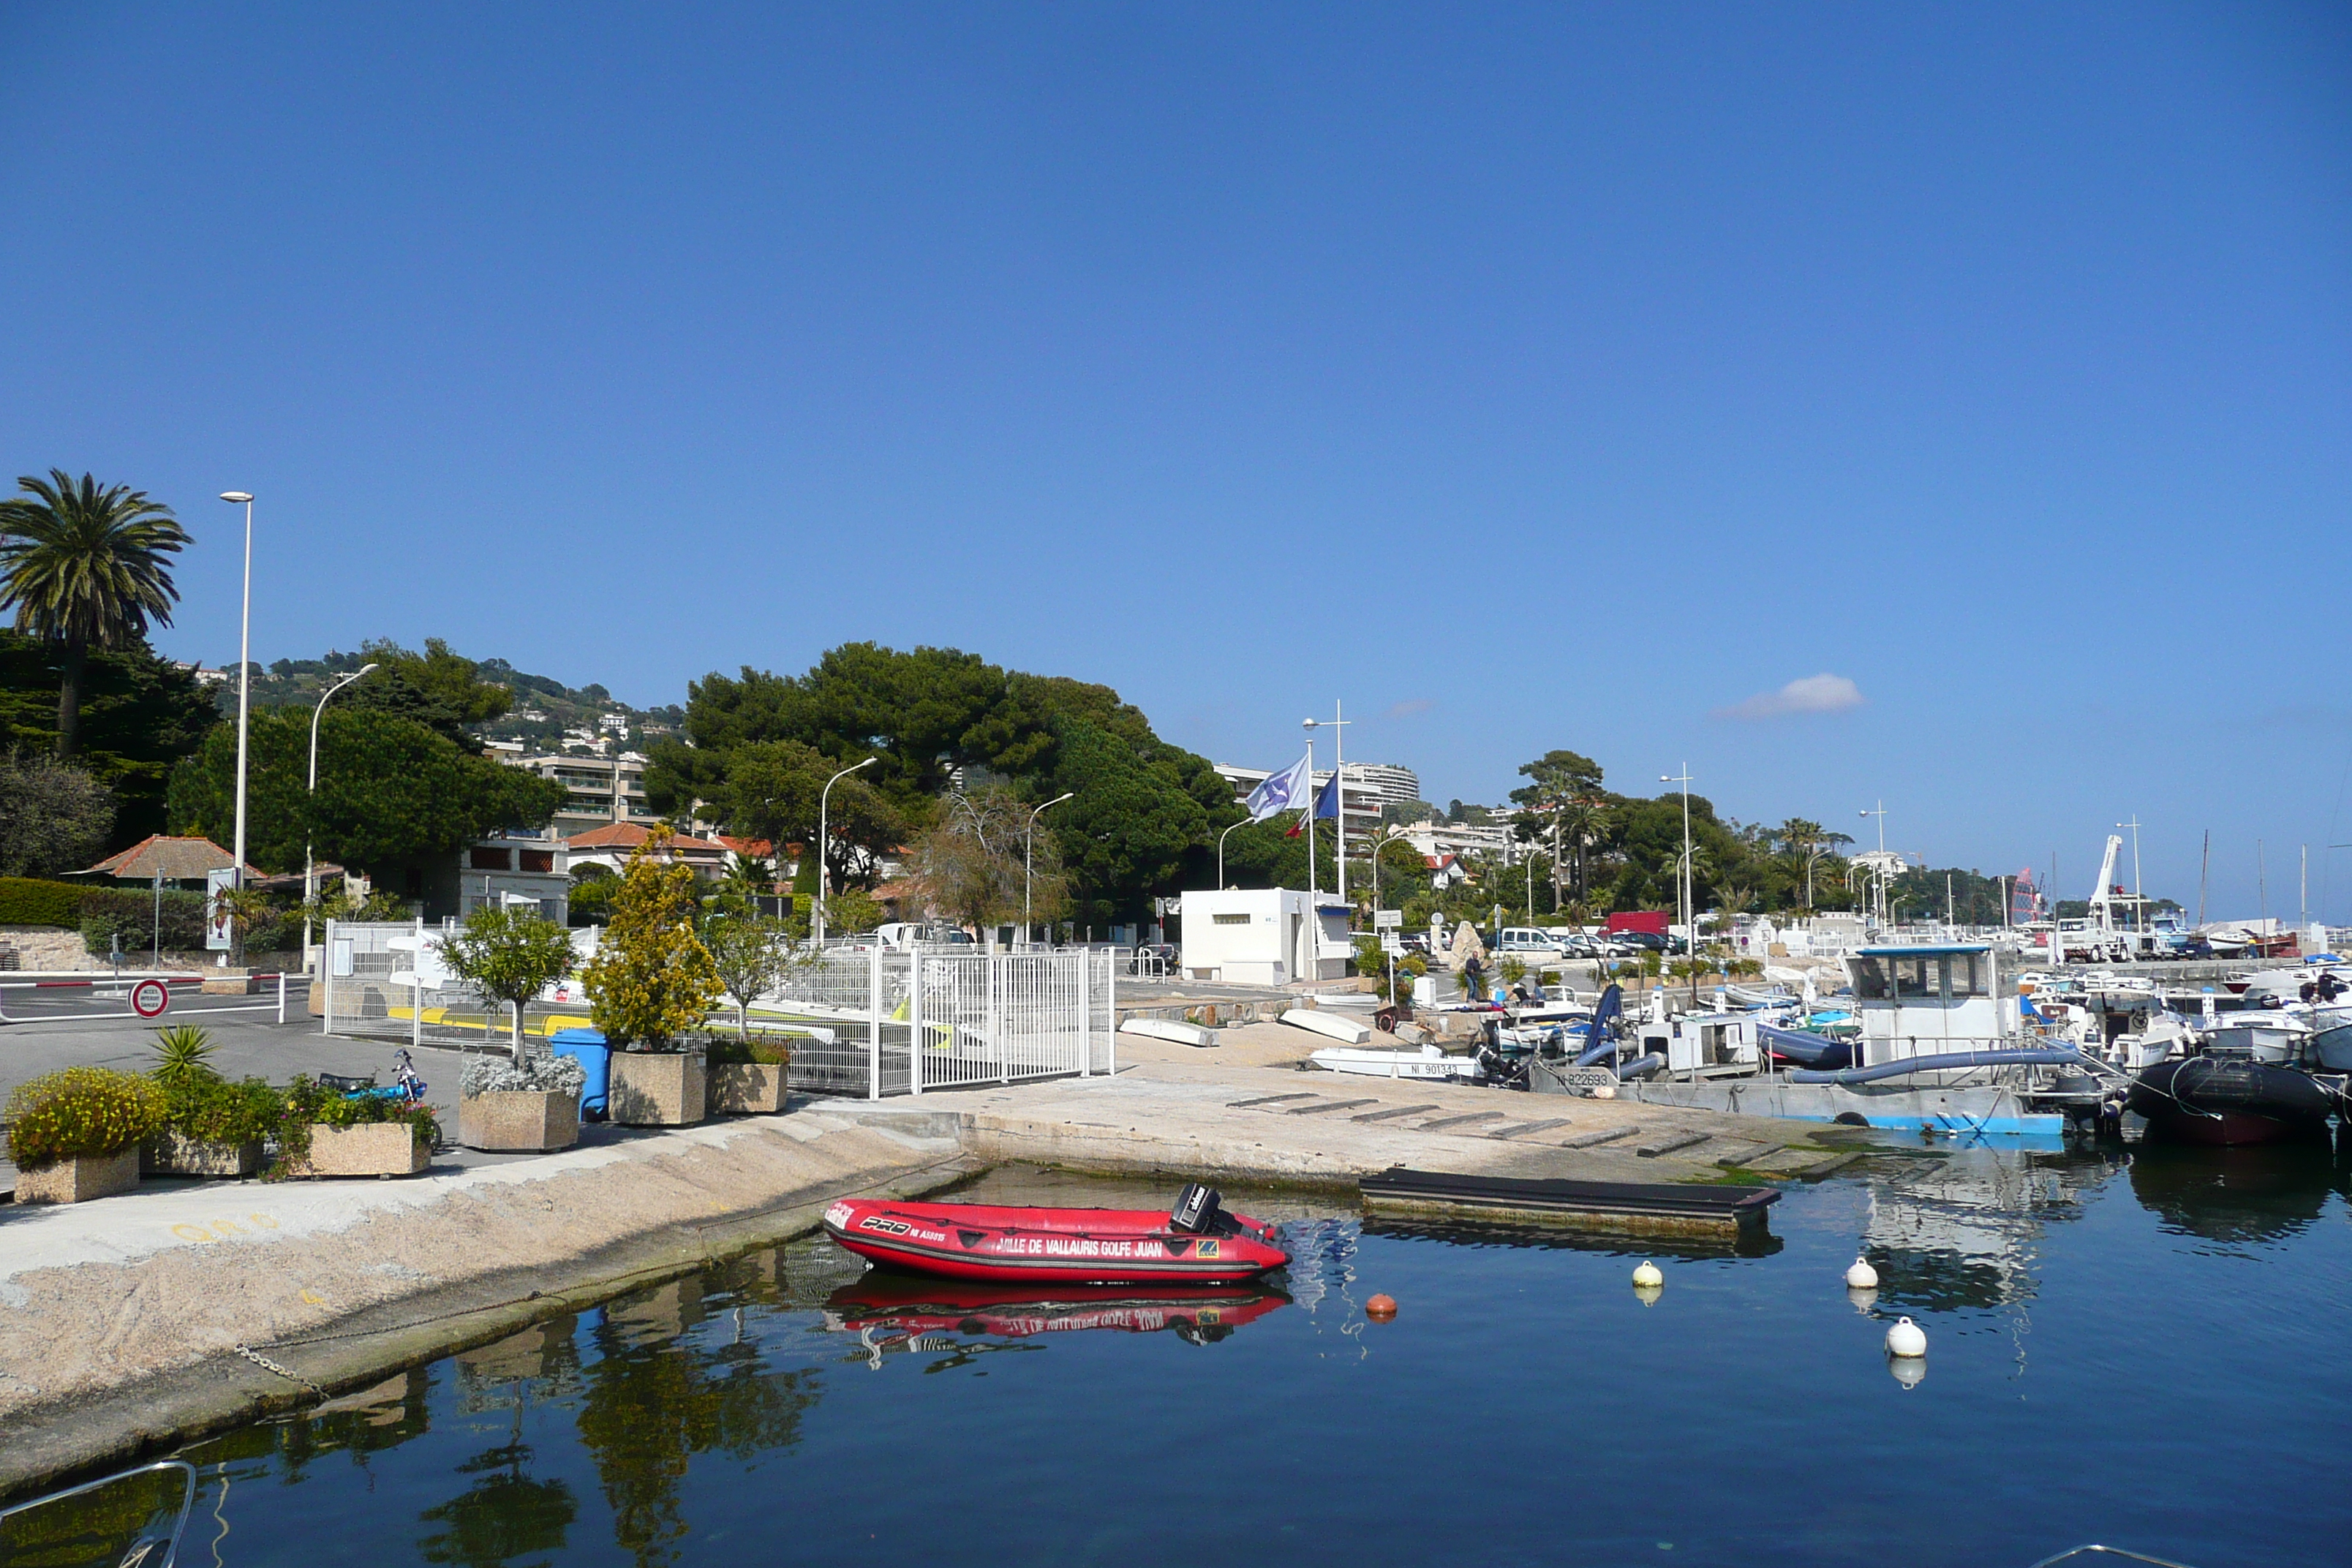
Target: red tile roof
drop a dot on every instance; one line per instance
(629, 835)
(178, 858)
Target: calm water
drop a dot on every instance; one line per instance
(2148, 1350)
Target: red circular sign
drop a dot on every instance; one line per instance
(150, 997)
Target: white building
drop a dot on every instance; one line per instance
(1264, 936)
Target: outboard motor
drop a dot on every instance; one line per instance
(1196, 1209)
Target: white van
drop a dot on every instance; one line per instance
(1526, 942)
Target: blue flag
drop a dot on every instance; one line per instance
(1327, 800)
(1280, 793)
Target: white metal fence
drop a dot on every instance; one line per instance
(904, 1022)
(863, 1021)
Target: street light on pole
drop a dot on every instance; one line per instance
(823, 871)
(1028, 843)
(1690, 921)
(308, 885)
(244, 686)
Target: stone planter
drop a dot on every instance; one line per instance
(520, 1120)
(650, 1088)
(747, 1089)
(171, 1154)
(80, 1178)
(379, 1149)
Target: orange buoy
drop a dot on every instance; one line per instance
(1381, 1308)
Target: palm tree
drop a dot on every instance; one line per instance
(84, 568)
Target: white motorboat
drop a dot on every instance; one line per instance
(1369, 1061)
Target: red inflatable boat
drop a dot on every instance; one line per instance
(1197, 1244)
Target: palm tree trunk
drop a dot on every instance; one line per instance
(76, 662)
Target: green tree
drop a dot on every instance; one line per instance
(54, 817)
(772, 790)
(509, 956)
(652, 978)
(438, 689)
(750, 954)
(392, 792)
(84, 568)
(139, 715)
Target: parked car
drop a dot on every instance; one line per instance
(1526, 942)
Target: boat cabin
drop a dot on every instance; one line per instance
(1701, 1044)
(1921, 1001)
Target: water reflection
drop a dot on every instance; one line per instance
(2259, 1193)
(1750, 1241)
(890, 1309)
(1964, 1229)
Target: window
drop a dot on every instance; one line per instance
(538, 860)
(486, 860)
(1915, 979)
(1232, 920)
(1971, 974)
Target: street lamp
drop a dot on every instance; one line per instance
(1690, 919)
(1339, 797)
(1028, 843)
(308, 887)
(1220, 852)
(244, 684)
(824, 872)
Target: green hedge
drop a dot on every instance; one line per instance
(130, 913)
(37, 901)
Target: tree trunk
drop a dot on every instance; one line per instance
(77, 661)
(518, 1031)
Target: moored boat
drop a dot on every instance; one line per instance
(1197, 1242)
(2230, 1099)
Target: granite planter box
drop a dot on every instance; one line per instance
(657, 1089)
(519, 1121)
(80, 1178)
(378, 1148)
(171, 1154)
(747, 1089)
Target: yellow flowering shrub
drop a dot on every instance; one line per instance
(652, 979)
(81, 1112)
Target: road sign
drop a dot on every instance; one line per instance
(149, 998)
(1392, 946)
(1388, 920)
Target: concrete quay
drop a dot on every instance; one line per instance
(127, 1319)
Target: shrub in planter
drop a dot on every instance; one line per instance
(211, 1126)
(747, 1076)
(314, 1112)
(531, 1106)
(75, 1134)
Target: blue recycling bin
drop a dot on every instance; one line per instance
(595, 1060)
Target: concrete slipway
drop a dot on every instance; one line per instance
(121, 1321)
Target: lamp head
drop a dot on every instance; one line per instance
(362, 670)
(237, 498)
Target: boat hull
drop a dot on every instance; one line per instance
(1971, 1111)
(2230, 1102)
(1050, 1246)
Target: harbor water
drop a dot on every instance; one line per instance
(2139, 1348)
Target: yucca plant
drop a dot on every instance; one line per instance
(183, 1054)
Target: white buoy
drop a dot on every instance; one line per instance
(1647, 1278)
(1862, 1276)
(1906, 1339)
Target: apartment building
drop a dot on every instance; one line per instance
(1364, 787)
(599, 791)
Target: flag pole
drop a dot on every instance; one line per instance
(1339, 798)
(1314, 921)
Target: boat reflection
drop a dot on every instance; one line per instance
(1751, 1241)
(2258, 1193)
(1964, 1229)
(887, 1309)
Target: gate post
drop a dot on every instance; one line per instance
(915, 1019)
(417, 1013)
(1110, 1013)
(1087, 1019)
(874, 1021)
(327, 976)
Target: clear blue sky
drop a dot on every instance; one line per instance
(1523, 377)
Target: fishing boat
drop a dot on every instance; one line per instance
(1197, 1242)
(1376, 1061)
(1938, 1047)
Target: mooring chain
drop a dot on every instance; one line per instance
(265, 1364)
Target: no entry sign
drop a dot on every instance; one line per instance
(150, 997)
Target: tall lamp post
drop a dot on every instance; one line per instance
(1028, 844)
(1339, 796)
(244, 686)
(824, 869)
(1879, 875)
(1220, 852)
(1683, 890)
(309, 885)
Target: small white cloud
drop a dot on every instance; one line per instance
(1812, 694)
(1409, 708)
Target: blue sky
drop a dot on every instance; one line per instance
(1521, 377)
